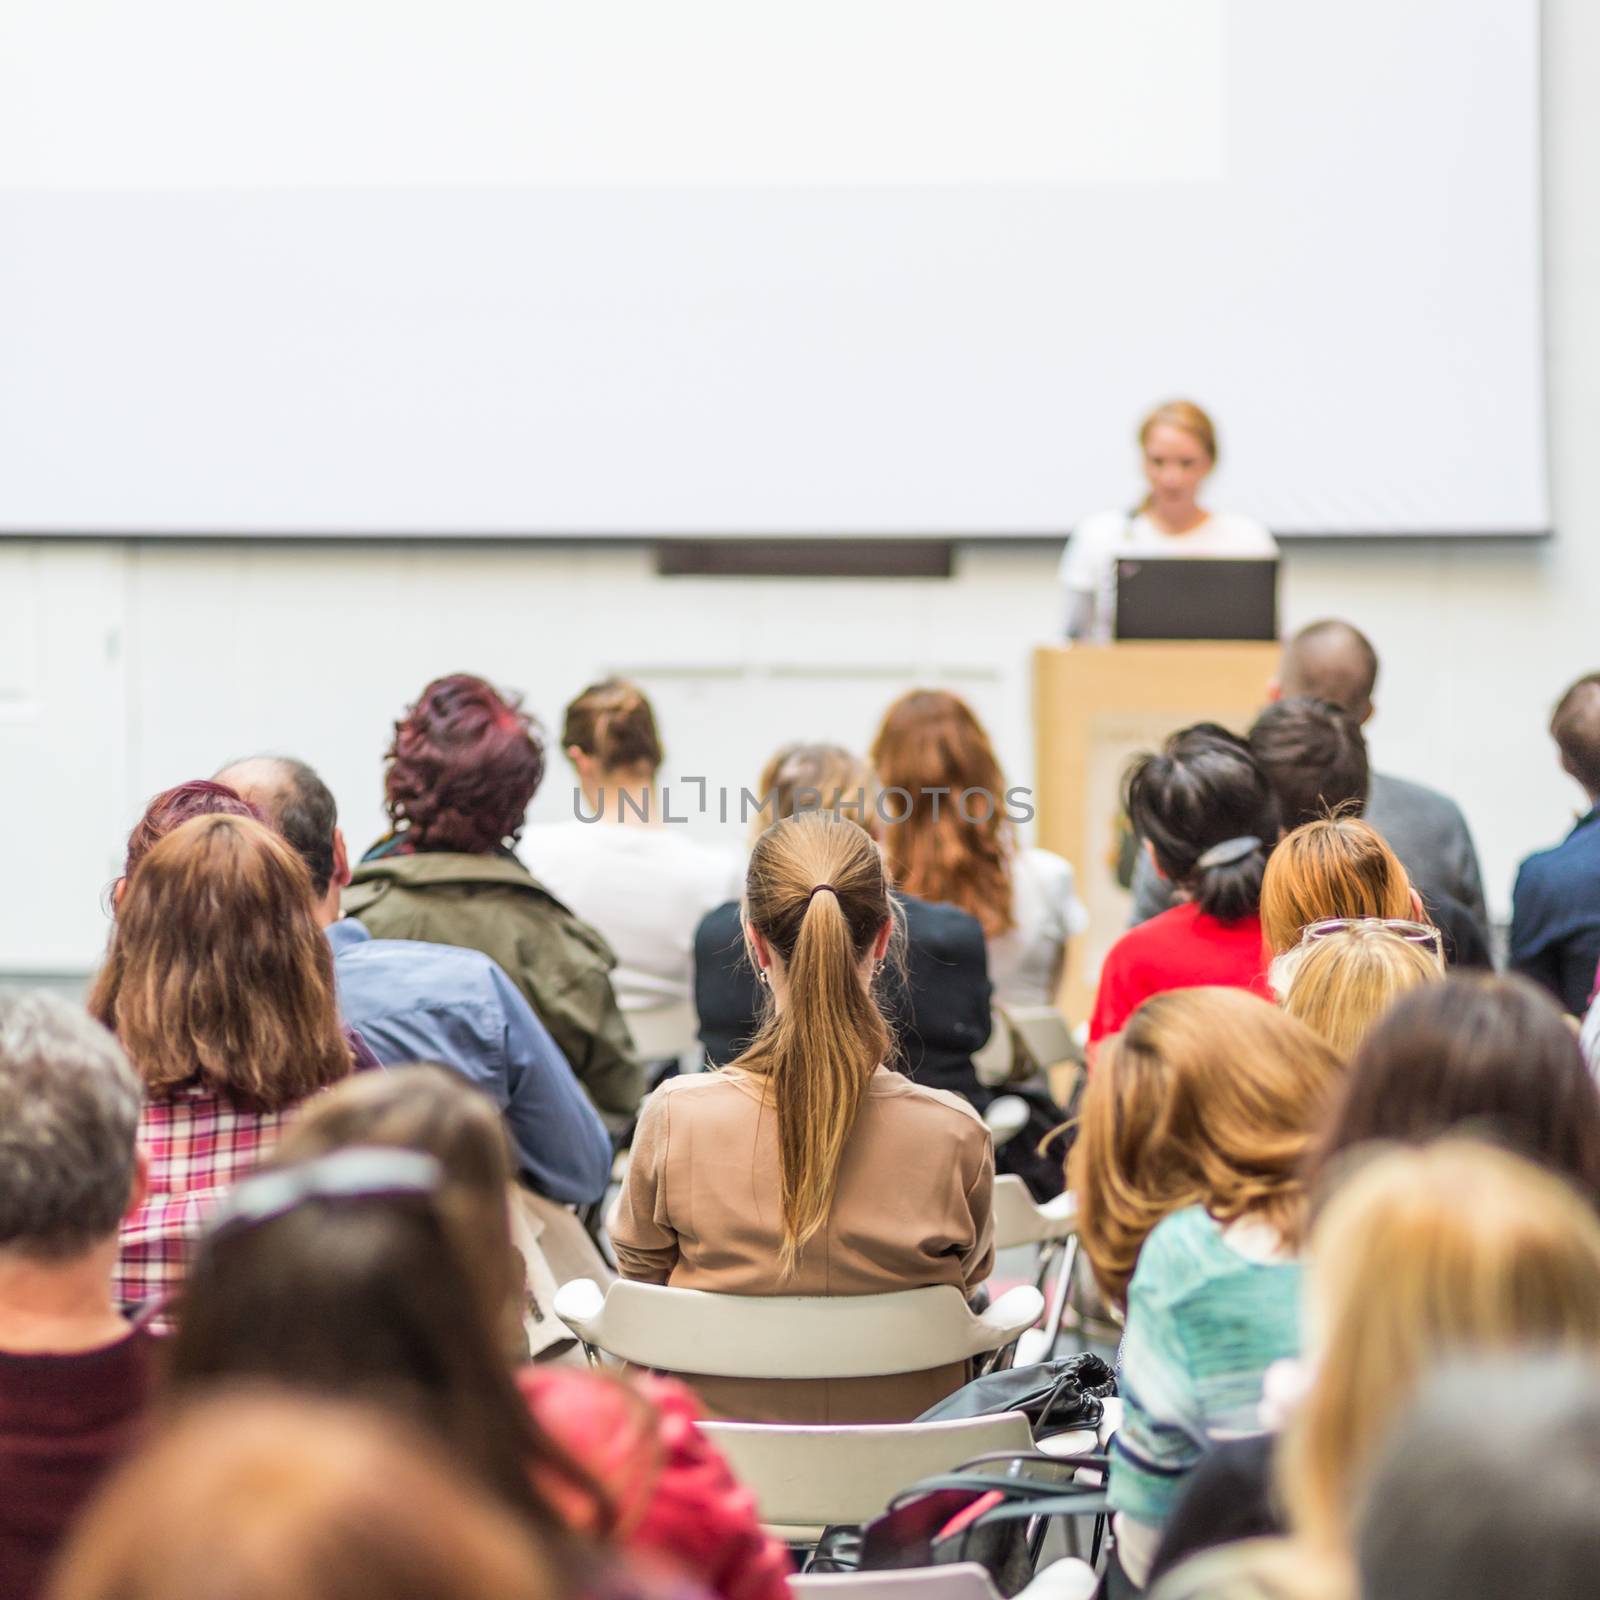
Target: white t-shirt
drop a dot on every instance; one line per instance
(645, 889)
(1089, 562)
(1046, 912)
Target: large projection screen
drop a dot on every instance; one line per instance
(743, 267)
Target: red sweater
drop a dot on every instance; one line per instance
(677, 1503)
(65, 1420)
(1181, 949)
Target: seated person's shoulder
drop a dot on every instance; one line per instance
(1183, 1253)
(938, 927)
(939, 1106)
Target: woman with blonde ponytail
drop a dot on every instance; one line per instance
(807, 1167)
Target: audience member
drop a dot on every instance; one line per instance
(204, 797)
(1555, 907)
(1337, 867)
(219, 985)
(74, 1375)
(416, 1001)
(623, 863)
(1315, 760)
(936, 1000)
(672, 1495)
(806, 1167)
(1490, 1054)
(464, 764)
(266, 1496)
(1314, 757)
(1455, 1510)
(1208, 818)
(1340, 868)
(1335, 661)
(1352, 973)
(948, 835)
(1187, 1172)
(1420, 1256)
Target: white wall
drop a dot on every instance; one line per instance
(125, 667)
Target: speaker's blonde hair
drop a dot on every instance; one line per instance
(1344, 983)
(1207, 1097)
(1421, 1255)
(817, 893)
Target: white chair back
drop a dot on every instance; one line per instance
(784, 1336)
(662, 1033)
(806, 1477)
(1019, 1219)
(1066, 1579)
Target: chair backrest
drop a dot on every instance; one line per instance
(663, 1033)
(791, 1336)
(960, 1580)
(808, 1477)
(1019, 1219)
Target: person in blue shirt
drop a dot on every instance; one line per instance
(414, 1001)
(1555, 907)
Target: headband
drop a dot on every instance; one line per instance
(1229, 851)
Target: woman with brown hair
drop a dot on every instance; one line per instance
(936, 1001)
(219, 985)
(806, 1167)
(948, 834)
(1419, 1257)
(464, 764)
(377, 1509)
(1187, 1170)
(668, 1493)
(626, 862)
(1178, 451)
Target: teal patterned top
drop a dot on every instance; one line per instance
(1205, 1321)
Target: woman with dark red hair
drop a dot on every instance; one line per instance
(465, 762)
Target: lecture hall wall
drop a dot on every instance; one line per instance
(127, 666)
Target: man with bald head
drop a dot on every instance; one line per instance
(414, 1001)
(1555, 907)
(1335, 661)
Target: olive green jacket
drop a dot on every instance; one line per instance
(494, 904)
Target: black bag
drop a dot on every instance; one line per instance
(969, 1516)
(1055, 1396)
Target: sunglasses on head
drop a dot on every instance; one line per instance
(1423, 933)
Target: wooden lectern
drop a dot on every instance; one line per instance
(1094, 708)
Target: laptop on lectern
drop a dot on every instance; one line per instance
(1171, 597)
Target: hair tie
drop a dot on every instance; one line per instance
(1229, 851)
(817, 888)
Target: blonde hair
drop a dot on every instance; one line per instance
(1184, 414)
(817, 893)
(1419, 1256)
(1335, 867)
(1207, 1097)
(932, 748)
(814, 777)
(1345, 982)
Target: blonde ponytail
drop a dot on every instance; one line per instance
(816, 892)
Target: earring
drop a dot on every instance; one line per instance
(761, 974)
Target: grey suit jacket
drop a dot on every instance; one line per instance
(1424, 828)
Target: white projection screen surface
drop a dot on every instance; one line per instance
(743, 267)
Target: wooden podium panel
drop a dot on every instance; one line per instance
(1094, 708)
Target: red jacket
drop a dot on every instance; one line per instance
(674, 1496)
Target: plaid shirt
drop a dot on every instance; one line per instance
(198, 1144)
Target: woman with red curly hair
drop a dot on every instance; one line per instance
(465, 762)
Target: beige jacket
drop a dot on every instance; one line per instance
(701, 1209)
